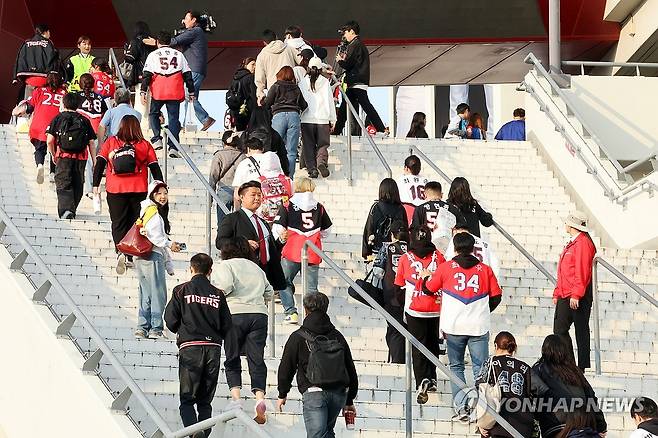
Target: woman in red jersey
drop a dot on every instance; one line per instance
(44, 104)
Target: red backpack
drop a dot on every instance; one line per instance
(276, 192)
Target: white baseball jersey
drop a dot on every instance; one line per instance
(412, 189)
(481, 250)
(166, 61)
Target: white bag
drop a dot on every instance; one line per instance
(492, 395)
(190, 126)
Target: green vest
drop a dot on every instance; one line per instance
(80, 66)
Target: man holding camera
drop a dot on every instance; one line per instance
(194, 44)
(354, 59)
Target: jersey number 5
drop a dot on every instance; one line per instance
(307, 220)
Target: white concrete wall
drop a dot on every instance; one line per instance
(620, 110)
(43, 391)
(627, 227)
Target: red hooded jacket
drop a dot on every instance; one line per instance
(574, 271)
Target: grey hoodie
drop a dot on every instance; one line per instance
(269, 61)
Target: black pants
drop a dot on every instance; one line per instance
(69, 182)
(358, 98)
(198, 370)
(241, 120)
(565, 316)
(394, 338)
(315, 144)
(248, 333)
(40, 151)
(426, 330)
(124, 211)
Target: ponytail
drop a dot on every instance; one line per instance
(313, 74)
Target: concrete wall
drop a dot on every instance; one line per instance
(630, 226)
(620, 110)
(44, 393)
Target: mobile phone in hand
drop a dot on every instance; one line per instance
(182, 246)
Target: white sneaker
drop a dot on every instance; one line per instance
(157, 145)
(68, 215)
(173, 153)
(51, 178)
(40, 174)
(121, 264)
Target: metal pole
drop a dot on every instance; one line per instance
(554, 57)
(408, 406)
(209, 225)
(349, 146)
(304, 279)
(595, 308)
(165, 148)
(272, 327)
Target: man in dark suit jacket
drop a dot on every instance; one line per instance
(246, 223)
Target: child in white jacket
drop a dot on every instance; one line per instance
(317, 119)
(151, 270)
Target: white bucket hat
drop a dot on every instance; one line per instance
(577, 220)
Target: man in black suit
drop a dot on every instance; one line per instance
(246, 223)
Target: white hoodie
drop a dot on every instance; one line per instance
(321, 109)
(304, 201)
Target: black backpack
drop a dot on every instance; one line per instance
(124, 161)
(326, 360)
(234, 99)
(74, 134)
(382, 230)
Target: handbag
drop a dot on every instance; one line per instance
(373, 291)
(420, 301)
(134, 243)
(492, 395)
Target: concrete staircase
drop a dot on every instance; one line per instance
(509, 178)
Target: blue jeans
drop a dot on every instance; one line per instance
(173, 112)
(290, 271)
(152, 291)
(320, 410)
(288, 125)
(478, 346)
(201, 113)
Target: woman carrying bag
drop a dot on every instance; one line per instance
(513, 377)
(421, 309)
(151, 268)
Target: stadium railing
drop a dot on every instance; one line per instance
(611, 186)
(91, 364)
(114, 64)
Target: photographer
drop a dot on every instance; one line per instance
(355, 61)
(194, 45)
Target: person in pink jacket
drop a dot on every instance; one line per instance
(572, 296)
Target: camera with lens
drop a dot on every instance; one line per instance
(342, 46)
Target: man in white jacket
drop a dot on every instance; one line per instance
(275, 54)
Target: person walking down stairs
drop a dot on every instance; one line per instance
(151, 269)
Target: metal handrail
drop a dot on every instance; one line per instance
(532, 59)
(637, 65)
(364, 132)
(114, 63)
(598, 260)
(64, 327)
(506, 235)
(92, 362)
(404, 332)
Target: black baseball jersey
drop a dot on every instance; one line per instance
(302, 225)
(441, 218)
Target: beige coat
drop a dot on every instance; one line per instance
(268, 63)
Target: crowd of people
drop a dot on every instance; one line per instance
(431, 269)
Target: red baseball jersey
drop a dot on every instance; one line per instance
(466, 292)
(104, 84)
(409, 268)
(46, 105)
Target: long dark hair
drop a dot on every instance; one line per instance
(460, 194)
(130, 130)
(163, 210)
(417, 129)
(557, 355)
(313, 75)
(579, 419)
(246, 61)
(141, 29)
(388, 191)
(54, 81)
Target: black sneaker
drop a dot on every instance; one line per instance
(421, 394)
(432, 387)
(324, 170)
(313, 174)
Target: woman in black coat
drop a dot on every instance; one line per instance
(386, 210)
(137, 51)
(558, 384)
(460, 196)
(243, 79)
